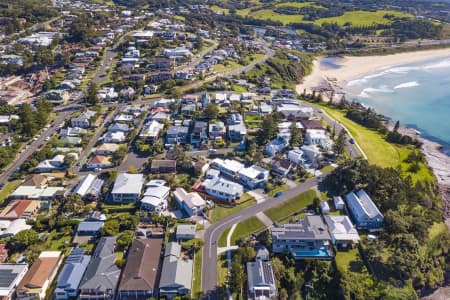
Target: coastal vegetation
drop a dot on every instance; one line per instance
(411, 250)
(282, 70)
(373, 138)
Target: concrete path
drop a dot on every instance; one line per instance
(230, 233)
(259, 196)
(265, 219)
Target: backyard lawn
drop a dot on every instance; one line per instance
(291, 206)
(221, 211)
(245, 228)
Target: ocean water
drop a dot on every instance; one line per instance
(416, 94)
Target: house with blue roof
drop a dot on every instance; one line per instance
(365, 214)
(89, 228)
(70, 276)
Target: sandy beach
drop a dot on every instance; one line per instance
(352, 67)
(326, 78)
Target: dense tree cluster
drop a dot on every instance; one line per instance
(366, 117)
(310, 13)
(33, 11)
(410, 210)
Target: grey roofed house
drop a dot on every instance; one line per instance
(89, 227)
(116, 127)
(139, 280)
(176, 275)
(90, 186)
(185, 232)
(127, 187)
(310, 228)
(11, 275)
(102, 274)
(261, 280)
(70, 276)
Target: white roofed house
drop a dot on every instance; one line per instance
(276, 145)
(180, 52)
(151, 131)
(114, 137)
(228, 166)
(127, 188)
(49, 165)
(90, 187)
(155, 196)
(338, 202)
(237, 132)
(318, 137)
(83, 120)
(294, 110)
(342, 231)
(217, 131)
(223, 189)
(120, 127)
(191, 203)
(254, 176)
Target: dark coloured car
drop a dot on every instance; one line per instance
(277, 194)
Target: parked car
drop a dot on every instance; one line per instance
(277, 194)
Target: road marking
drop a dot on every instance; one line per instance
(214, 230)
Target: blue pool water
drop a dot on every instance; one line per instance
(321, 252)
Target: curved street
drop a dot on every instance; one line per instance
(213, 233)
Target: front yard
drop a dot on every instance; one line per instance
(291, 206)
(222, 211)
(245, 228)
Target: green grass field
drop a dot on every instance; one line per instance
(291, 206)
(238, 88)
(245, 228)
(221, 211)
(356, 18)
(231, 65)
(280, 188)
(299, 4)
(223, 238)
(218, 9)
(350, 261)
(377, 149)
(363, 18)
(197, 280)
(222, 270)
(8, 189)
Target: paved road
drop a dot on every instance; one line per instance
(212, 234)
(352, 148)
(85, 153)
(63, 115)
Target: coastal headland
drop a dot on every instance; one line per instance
(329, 80)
